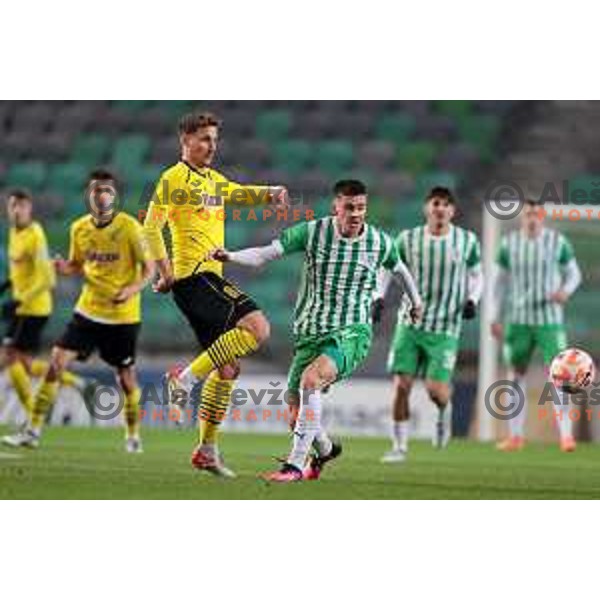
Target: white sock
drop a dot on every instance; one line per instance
(400, 431)
(444, 418)
(322, 443)
(516, 425)
(187, 379)
(307, 427)
(563, 422)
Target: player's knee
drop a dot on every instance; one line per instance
(58, 363)
(311, 380)
(127, 379)
(403, 384)
(439, 392)
(229, 372)
(258, 325)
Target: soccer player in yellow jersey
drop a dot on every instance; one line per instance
(190, 198)
(30, 281)
(109, 251)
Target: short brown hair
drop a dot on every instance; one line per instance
(101, 174)
(191, 122)
(20, 195)
(441, 192)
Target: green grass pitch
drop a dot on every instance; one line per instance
(91, 463)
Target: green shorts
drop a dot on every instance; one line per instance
(347, 348)
(520, 342)
(423, 354)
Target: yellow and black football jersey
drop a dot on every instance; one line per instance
(191, 202)
(30, 270)
(112, 257)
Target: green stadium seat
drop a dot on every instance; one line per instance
(426, 181)
(30, 175)
(457, 109)
(335, 157)
(130, 151)
(481, 131)
(133, 105)
(273, 125)
(91, 149)
(293, 156)
(417, 157)
(67, 178)
(396, 128)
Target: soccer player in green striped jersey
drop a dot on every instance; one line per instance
(445, 261)
(536, 275)
(343, 255)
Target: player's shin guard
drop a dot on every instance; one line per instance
(21, 383)
(214, 401)
(307, 427)
(44, 399)
(132, 413)
(233, 344)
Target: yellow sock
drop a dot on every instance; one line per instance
(232, 345)
(19, 379)
(39, 368)
(44, 399)
(132, 417)
(214, 401)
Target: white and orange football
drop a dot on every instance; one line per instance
(572, 370)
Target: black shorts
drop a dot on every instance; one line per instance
(116, 344)
(25, 333)
(211, 304)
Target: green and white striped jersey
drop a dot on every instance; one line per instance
(439, 265)
(339, 275)
(535, 269)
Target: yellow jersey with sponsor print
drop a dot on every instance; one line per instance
(192, 203)
(111, 256)
(30, 270)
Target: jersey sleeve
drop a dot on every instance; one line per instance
(138, 242)
(75, 253)
(474, 255)
(566, 253)
(503, 256)
(157, 216)
(42, 257)
(393, 256)
(294, 239)
(401, 243)
(242, 194)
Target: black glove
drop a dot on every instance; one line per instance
(377, 310)
(469, 310)
(9, 310)
(5, 286)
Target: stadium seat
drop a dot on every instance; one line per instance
(376, 155)
(90, 149)
(55, 146)
(396, 128)
(481, 131)
(253, 154)
(335, 157)
(417, 157)
(426, 181)
(275, 125)
(30, 175)
(294, 156)
(67, 178)
(457, 109)
(130, 151)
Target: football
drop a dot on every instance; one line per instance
(572, 370)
